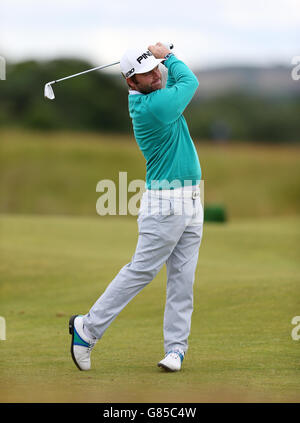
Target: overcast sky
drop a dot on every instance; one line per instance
(205, 32)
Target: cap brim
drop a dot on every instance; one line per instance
(149, 66)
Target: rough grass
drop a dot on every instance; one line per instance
(57, 173)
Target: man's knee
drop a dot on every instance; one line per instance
(140, 270)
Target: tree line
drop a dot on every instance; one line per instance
(98, 101)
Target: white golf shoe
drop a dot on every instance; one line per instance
(81, 346)
(172, 361)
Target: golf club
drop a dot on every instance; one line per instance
(48, 90)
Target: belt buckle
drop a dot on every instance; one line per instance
(195, 194)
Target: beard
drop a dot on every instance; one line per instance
(149, 88)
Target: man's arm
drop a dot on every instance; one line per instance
(160, 51)
(170, 81)
(169, 103)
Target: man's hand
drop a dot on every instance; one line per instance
(159, 50)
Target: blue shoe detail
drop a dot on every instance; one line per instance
(79, 341)
(177, 352)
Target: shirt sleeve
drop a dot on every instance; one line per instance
(170, 81)
(169, 103)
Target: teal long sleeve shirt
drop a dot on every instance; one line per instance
(161, 131)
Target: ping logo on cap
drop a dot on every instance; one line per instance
(144, 56)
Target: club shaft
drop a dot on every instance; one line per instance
(89, 70)
(93, 69)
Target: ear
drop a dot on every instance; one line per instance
(130, 83)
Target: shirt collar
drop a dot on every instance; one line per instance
(134, 92)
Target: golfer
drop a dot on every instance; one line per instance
(170, 220)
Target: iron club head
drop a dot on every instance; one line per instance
(48, 91)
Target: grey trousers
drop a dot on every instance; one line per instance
(170, 231)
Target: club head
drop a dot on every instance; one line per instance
(48, 91)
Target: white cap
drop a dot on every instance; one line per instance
(137, 60)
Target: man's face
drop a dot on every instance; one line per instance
(147, 82)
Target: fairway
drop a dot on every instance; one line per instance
(241, 349)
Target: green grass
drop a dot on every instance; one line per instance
(241, 350)
(57, 173)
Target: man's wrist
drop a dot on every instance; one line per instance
(167, 56)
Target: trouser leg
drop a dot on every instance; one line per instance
(181, 267)
(155, 244)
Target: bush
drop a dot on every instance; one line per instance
(214, 213)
